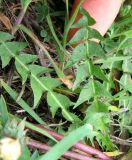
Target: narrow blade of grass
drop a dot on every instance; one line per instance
(3, 111)
(66, 143)
(21, 102)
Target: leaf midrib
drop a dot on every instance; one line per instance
(41, 84)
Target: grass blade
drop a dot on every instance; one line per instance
(3, 111)
(66, 143)
(21, 102)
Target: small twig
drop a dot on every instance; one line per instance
(129, 138)
(21, 16)
(59, 124)
(21, 111)
(123, 110)
(15, 19)
(11, 73)
(118, 125)
(68, 154)
(21, 93)
(129, 141)
(121, 141)
(18, 21)
(38, 50)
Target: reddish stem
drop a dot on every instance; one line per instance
(18, 21)
(79, 145)
(68, 154)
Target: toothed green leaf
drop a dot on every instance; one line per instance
(49, 84)
(97, 72)
(94, 49)
(4, 36)
(85, 94)
(79, 53)
(25, 3)
(38, 70)
(25, 58)
(100, 90)
(81, 75)
(9, 50)
(4, 115)
(62, 102)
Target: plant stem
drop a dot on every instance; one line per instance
(36, 40)
(18, 21)
(34, 128)
(20, 17)
(62, 51)
(67, 10)
(54, 34)
(68, 154)
(91, 75)
(78, 145)
(71, 21)
(55, 136)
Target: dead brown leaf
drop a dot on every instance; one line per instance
(67, 81)
(5, 20)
